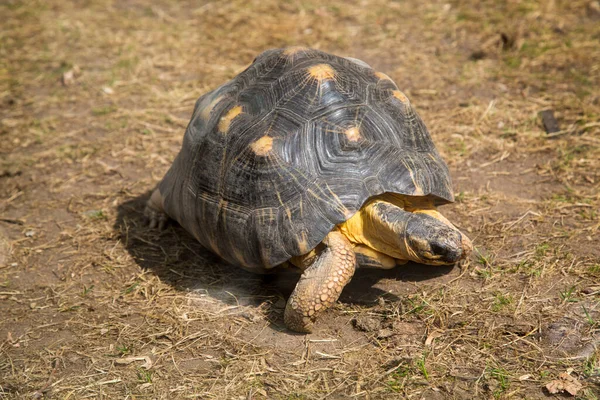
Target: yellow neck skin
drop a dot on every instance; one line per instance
(365, 229)
(376, 238)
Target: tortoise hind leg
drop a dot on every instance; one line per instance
(155, 212)
(321, 283)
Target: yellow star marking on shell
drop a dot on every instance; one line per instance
(262, 146)
(400, 96)
(382, 76)
(321, 72)
(205, 113)
(353, 134)
(213, 246)
(340, 206)
(238, 255)
(418, 191)
(303, 243)
(226, 119)
(290, 51)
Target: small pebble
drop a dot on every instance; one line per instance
(384, 333)
(366, 324)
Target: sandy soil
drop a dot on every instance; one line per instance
(95, 96)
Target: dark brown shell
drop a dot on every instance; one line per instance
(274, 159)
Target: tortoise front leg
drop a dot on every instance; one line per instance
(321, 283)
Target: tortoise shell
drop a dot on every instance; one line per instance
(275, 158)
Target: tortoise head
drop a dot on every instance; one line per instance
(431, 241)
(424, 236)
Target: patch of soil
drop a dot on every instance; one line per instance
(88, 295)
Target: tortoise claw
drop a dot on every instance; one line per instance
(154, 213)
(152, 223)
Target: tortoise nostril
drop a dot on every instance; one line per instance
(449, 254)
(437, 249)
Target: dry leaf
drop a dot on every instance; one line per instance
(68, 77)
(432, 336)
(565, 382)
(12, 341)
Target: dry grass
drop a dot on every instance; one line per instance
(94, 306)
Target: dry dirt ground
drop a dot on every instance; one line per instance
(95, 96)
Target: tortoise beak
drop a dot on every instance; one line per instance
(446, 247)
(467, 246)
(449, 249)
(436, 243)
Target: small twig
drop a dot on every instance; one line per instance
(487, 110)
(512, 224)
(12, 221)
(502, 157)
(327, 356)
(101, 383)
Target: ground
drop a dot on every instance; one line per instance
(95, 98)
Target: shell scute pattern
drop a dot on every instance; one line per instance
(295, 144)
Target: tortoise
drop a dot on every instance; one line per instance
(315, 161)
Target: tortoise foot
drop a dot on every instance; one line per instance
(321, 283)
(154, 212)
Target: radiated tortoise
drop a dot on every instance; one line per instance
(314, 160)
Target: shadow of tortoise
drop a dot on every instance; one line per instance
(180, 261)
